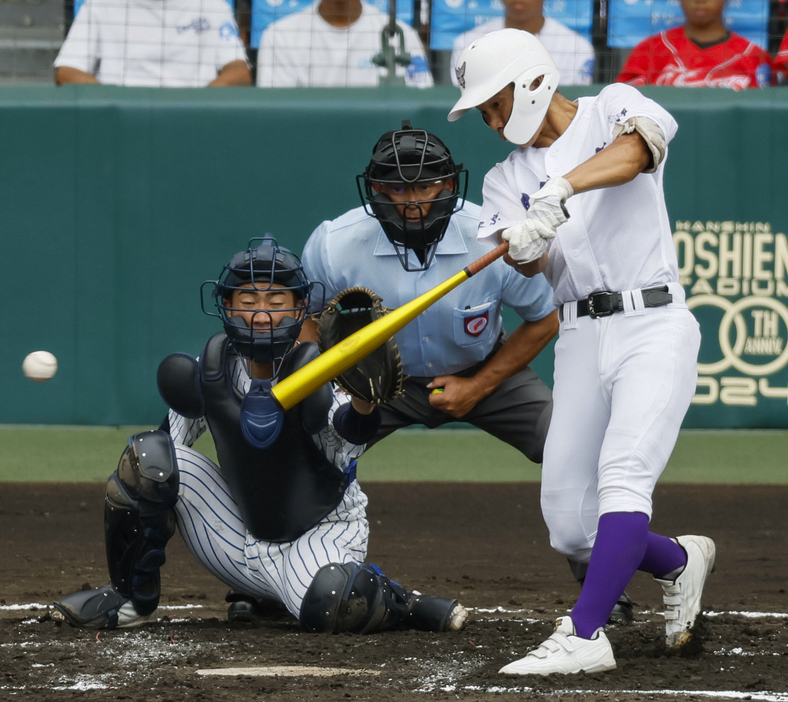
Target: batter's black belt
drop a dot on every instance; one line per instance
(605, 303)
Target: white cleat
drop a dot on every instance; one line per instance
(459, 615)
(682, 595)
(565, 652)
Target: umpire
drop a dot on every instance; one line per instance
(413, 231)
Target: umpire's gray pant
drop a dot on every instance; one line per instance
(517, 412)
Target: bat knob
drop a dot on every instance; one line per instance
(437, 391)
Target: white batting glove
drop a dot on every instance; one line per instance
(525, 243)
(547, 209)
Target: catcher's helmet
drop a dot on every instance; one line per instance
(508, 56)
(262, 264)
(406, 157)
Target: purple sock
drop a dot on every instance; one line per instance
(663, 556)
(619, 547)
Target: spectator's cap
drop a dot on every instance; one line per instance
(495, 60)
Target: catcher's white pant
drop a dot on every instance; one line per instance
(622, 386)
(211, 526)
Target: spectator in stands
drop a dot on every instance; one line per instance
(702, 52)
(168, 44)
(781, 62)
(331, 44)
(573, 55)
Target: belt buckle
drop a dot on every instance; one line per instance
(595, 310)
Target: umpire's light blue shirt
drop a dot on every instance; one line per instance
(457, 331)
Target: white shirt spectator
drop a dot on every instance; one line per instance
(573, 55)
(303, 50)
(153, 43)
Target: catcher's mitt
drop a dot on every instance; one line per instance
(377, 377)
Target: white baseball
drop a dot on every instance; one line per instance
(39, 366)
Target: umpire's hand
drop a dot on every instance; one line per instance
(456, 396)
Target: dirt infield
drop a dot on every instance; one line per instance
(485, 544)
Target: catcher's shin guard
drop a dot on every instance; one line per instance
(139, 518)
(433, 613)
(352, 597)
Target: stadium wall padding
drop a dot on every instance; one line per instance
(118, 203)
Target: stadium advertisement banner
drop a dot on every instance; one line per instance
(734, 273)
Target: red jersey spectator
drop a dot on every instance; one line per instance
(781, 61)
(700, 53)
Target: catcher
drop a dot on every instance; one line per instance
(281, 522)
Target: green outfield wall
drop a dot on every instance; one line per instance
(117, 203)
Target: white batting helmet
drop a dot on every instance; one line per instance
(497, 59)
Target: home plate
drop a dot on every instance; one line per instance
(287, 671)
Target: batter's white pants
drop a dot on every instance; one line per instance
(622, 386)
(211, 526)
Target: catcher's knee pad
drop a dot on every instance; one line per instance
(139, 518)
(352, 597)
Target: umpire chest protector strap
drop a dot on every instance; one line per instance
(284, 490)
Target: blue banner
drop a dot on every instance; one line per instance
(450, 18)
(266, 11)
(631, 21)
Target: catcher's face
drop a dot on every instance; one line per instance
(414, 200)
(263, 308)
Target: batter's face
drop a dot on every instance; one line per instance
(262, 308)
(415, 197)
(498, 109)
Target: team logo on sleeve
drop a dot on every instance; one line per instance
(460, 71)
(476, 325)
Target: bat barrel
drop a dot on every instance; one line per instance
(334, 361)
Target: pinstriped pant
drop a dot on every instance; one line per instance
(211, 526)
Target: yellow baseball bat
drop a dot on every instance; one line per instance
(327, 366)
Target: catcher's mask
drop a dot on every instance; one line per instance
(259, 268)
(405, 158)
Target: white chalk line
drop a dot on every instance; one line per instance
(38, 605)
(714, 694)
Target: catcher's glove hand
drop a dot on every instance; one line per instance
(377, 377)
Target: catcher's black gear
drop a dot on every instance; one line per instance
(405, 158)
(377, 377)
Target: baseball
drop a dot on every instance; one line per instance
(39, 366)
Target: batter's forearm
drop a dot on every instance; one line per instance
(627, 157)
(522, 347)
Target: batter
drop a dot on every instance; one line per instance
(625, 360)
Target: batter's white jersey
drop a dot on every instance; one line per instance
(210, 522)
(616, 238)
(303, 50)
(153, 43)
(572, 54)
(622, 383)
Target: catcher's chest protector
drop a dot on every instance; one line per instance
(281, 491)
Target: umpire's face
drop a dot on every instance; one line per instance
(415, 198)
(263, 306)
